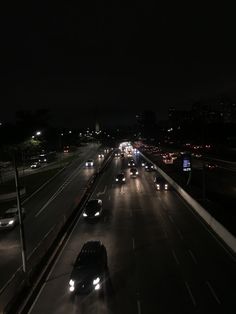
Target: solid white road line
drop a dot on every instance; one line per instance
(59, 190)
(175, 257)
(133, 241)
(54, 265)
(139, 307)
(190, 293)
(193, 256)
(213, 292)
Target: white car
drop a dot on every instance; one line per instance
(10, 219)
(89, 163)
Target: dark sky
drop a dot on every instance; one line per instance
(113, 61)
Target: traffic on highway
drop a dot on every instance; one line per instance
(137, 247)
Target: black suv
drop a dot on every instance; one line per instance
(90, 268)
(161, 184)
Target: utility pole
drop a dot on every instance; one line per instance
(22, 231)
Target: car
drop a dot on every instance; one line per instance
(93, 209)
(131, 163)
(117, 154)
(161, 184)
(211, 166)
(106, 150)
(149, 166)
(168, 160)
(35, 165)
(196, 155)
(89, 269)
(120, 178)
(10, 218)
(89, 163)
(133, 172)
(101, 155)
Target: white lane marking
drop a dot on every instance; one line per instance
(213, 292)
(109, 197)
(42, 186)
(59, 190)
(175, 257)
(139, 307)
(171, 219)
(54, 265)
(205, 226)
(190, 293)
(180, 234)
(103, 192)
(193, 256)
(133, 241)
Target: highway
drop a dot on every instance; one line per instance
(161, 257)
(220, 185)
(44, 209)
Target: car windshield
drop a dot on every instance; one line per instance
(8, 215)
(92, 204)
(87, 258)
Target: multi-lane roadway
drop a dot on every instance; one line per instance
(44, 210)
(161, 257)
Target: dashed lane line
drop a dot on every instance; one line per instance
(190, 293)
(213, 292)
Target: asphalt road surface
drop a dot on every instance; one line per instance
(44, 209)
(161, 257)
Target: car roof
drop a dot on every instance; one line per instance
(12, 210)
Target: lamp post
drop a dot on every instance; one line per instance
(21, 224)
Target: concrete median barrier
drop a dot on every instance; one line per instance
(211, 222)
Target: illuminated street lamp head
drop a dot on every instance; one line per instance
(38, 133)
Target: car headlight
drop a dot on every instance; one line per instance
(97, 287)
(91, 163)
(11, 222)
(71, 283)
(96, 281)
(97, 214)
(146, 167)
(151, 166)
(166, 186)
(45, 159)
(86, 164)
(116, 179)
(158, 186)
(123, 179)
(143, 164)
(85, 215)
(136, 172)
(72, 288)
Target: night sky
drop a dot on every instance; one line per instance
(111, 62)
